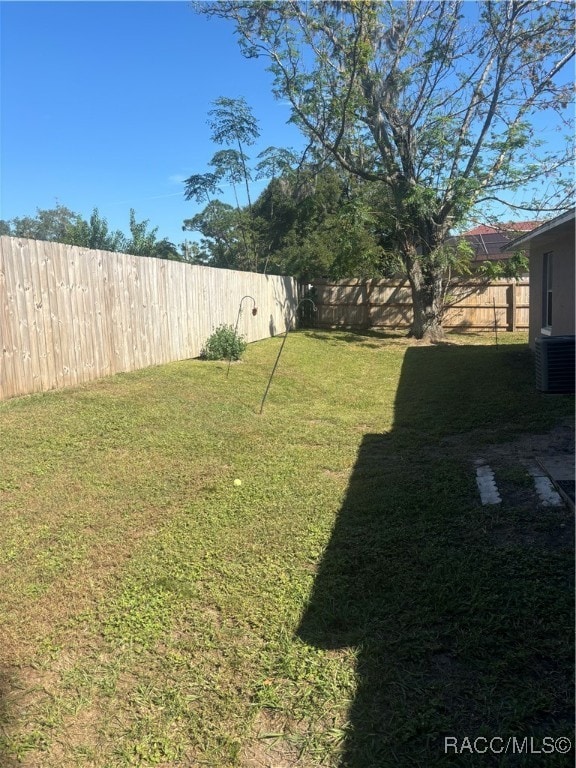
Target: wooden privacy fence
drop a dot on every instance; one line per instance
(475, 305)
(69, 315)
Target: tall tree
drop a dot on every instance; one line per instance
(230, 166)
(48, 224)
(276, 161)
(201, 187)
(234, 126)
(317, 224)
(94, 233)
(62, 225)
(221, 243)
(436, 101)
(144, 242)
(233, 123)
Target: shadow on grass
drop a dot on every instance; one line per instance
(458, 635)
(356, 336)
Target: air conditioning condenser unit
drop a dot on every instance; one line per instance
(555, 364)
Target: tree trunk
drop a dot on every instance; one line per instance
(426, 284)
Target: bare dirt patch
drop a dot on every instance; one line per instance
(273, 745)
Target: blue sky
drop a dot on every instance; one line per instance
(105, 104)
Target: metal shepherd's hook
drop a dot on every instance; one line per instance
(254, 312)
(288, 328)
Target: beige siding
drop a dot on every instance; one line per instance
(563, 281)
(563, 288)
(536, 266)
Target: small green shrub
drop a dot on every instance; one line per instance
(224, 344)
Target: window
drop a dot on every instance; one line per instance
(547, 291)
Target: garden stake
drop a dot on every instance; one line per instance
(282, 347)
(254, 312)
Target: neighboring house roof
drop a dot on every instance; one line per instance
(490, 243)
(510, 226)
(562, 222)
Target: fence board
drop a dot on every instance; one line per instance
(474, 305)
(25, 315)
(69, 315)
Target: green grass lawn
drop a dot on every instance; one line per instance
(350, 604)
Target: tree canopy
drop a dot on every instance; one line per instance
(49, 224)
(62, 225)
(437, 102)
(315, 223)
(94, 233)
(234, 126)
(306, 222)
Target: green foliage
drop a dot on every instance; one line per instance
(165, 249)
(514, 267)
(319, 222)
(229, 165)
(232, 122)
(62, 225)
(454, 257)
(220, 246)
(201, 186)
(224, 344)
(49, 224)
(313, 222)
(234, 126)
(94, 233)
(387, 92)
(275, 162)
(144, 242)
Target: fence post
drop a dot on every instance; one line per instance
(379, 309)
(369, 286)
(512, 306)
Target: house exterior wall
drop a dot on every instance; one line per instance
(561, 245)
(535, 300)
